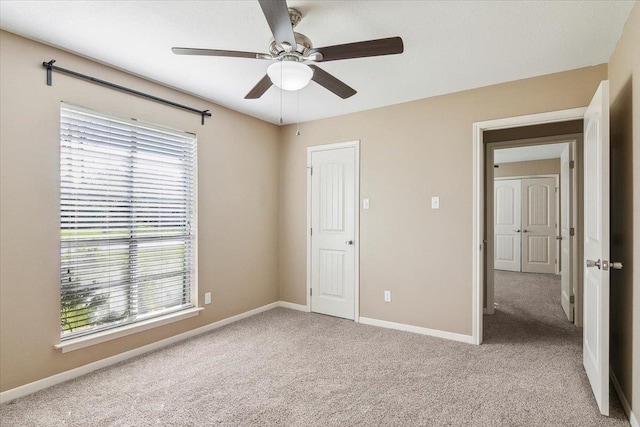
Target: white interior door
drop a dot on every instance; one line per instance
(333, 213)
(566, 224)
(596, 245)
(507, 231)
(538, 225)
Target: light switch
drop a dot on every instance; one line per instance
(365, 204)
(207, 298)
(435, 202)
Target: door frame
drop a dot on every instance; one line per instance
(356, 292)
(478, 205)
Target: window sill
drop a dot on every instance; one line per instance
(100, 337)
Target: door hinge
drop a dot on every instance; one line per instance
(572, 299)
(572, 231)
(557, 189)
(312, 231)
(311, 170)
(311, 292)
(572, 164)
(556, 261)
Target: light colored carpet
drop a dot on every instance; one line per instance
(284, 367)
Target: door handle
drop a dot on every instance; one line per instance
(604, 264)
(525, 231)
(349, 242)
(517, 231)
(558, 237)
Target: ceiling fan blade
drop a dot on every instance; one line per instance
(213, 52)
(388, 46)
(331, 83)
(277, 16)
(260, 88)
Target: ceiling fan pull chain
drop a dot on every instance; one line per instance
(281, 122)
(298, 120)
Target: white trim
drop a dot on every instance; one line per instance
(38, 385)
(293, 306)
(195, 284)
(532, 119)
(418, 330)
(308, 231)
(549, 175)
(356, 145)
(478, 196)
(477, 272)
(623, 399)
(123, 331)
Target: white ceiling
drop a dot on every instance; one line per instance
(449, 45)
(533, 152)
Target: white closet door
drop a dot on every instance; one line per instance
(333, 212)
(538, 225)
(507, 218)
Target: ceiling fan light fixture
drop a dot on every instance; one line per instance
(290, 75)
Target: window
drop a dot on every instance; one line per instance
(127, 221)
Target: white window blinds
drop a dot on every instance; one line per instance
(127, 221)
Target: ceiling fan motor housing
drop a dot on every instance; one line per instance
(303, 46)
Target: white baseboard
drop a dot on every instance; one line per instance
(623, 399)
(38, 385)
(293, 306)
(418, 330)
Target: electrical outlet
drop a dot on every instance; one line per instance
(207, 298)
(365, 204)
(387, 296)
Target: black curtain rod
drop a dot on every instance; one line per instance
(50, 68)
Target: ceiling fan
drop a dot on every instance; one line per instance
(292, 50)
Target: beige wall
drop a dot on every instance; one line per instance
(410, 152)
(529, 168)
(237, 206)
(624, 80)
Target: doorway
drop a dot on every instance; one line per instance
(333, 194)
(479, 206)
(542, 173)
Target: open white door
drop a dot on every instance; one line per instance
(596, 245)
(506, 226)
(566, 236)
(333, 230)
(538, 225)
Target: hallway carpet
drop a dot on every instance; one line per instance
(289, 368)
